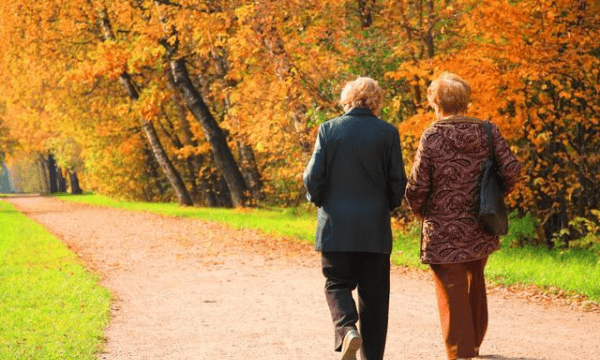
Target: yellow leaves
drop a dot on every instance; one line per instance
(539, 181)
(110, 59)
(564, 95)
(283, 58)
(107, 59)
(187, 151)
(151, 102)
(145, 51)
(149, 111)
(539, 139)
(245, 13)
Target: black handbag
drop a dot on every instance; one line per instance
(492, 211)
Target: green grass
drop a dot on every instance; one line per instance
(297, 224)
(406, 250)
(50, 306)
(574, 271)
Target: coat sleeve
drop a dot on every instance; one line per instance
(510, 167)
(419, 188)
(315, 174)
(397, 174)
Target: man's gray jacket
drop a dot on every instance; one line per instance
(356, 177)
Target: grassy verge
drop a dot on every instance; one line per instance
(297, 224)
(50, 306)
(573, 271)
(570, 272)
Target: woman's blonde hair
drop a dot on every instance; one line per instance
(362, 92)
(449, 94)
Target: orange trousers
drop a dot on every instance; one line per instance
(462, 304)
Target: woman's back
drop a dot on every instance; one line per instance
(444, 188)
(457, 149)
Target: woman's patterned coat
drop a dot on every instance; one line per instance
(443, 188)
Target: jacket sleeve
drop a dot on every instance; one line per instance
(419, 188)
(397, 174)
(509, 166)
(315, 174)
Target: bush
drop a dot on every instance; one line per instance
(584, 231)
(522, 231)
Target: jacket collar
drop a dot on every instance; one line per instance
(458, 118)
(360, 111)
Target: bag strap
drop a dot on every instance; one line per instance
(488, 131)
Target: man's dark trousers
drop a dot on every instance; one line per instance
(370, 273)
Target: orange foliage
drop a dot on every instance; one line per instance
(271, 72)
(533, 66)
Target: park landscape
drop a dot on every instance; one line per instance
(167, 140)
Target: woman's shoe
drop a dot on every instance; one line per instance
(352, 342)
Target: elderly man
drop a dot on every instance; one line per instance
(356, 177)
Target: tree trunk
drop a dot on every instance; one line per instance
(61, 182)
(208, 193)
(365, 8)
(170, 172)
(189, 165)
(250, 171)
(195, 161)
(152, 171)
(74, 181)
(214, 135)
(429, 33)
(157, 149)
(220, 190)
(42, 169)
(52, 175)
(218, 143)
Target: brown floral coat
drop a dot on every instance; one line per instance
(443, 188)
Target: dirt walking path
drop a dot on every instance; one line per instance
(190, 289)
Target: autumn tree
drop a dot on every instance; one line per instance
(6, 142)
(26, 82)
(553, 96)
(240, 87)
(286, 59)
(176, 39)
(158, 150)
(534, 71)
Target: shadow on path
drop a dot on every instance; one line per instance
(500, 357)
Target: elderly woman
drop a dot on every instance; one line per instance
(356, 177)
(443, 189)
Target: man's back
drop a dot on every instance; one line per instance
(359, 148)
(357, 177)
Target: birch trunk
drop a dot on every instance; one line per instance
(214, 135)
(157, 149)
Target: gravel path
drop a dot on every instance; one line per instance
(190, 289)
